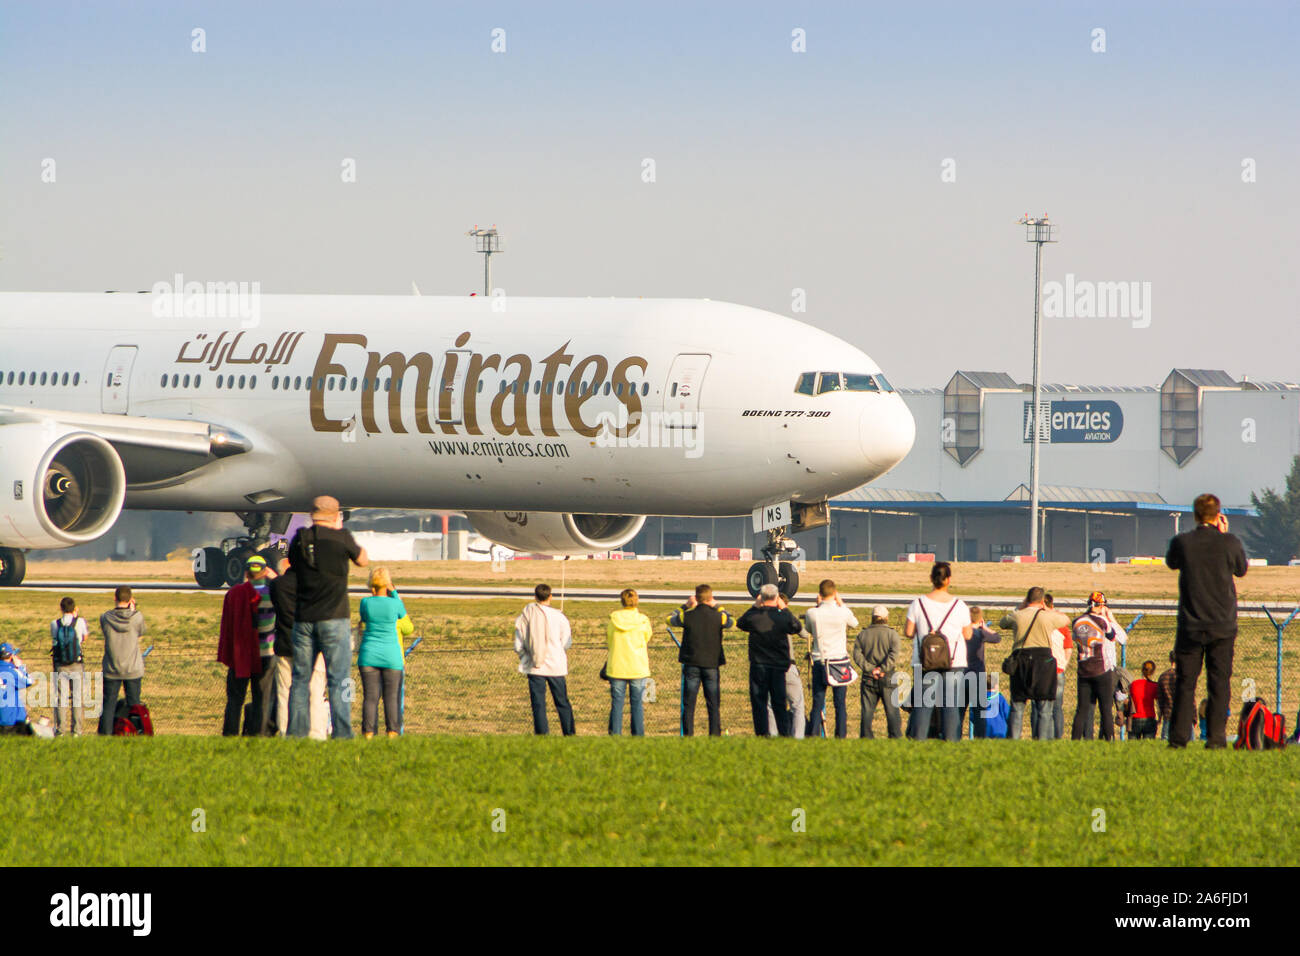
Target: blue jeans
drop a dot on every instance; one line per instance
(939, 689)
(839, 696)
(693, 678)
(537, 685)
(618, 688)
(1042, 729)
(1058, 713)
(333, 640)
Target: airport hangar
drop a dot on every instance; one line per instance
(1119, 469)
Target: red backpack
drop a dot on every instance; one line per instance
(132, 721)
(1260, 728)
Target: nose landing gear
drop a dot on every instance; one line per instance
(772, 570)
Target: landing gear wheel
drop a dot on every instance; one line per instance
(209, 568)
(235, 564)
(760, 573)
(13, 567)
(788, 582)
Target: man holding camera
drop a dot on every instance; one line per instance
(1207, 559)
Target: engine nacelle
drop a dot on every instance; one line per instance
(58, 486)
(550, 533)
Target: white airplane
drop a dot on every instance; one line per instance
(555, 424)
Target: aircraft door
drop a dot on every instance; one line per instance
(682, 393)
(116, 393)
(451, 387)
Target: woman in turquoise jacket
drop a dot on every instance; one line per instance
(383, 621)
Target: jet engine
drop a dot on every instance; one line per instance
(58, 486)
(550, 533)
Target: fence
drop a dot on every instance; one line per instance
(478, 689)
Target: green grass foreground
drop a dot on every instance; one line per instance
(595, 801)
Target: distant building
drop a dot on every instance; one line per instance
(1120, 466)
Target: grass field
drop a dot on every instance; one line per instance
(463, 678)
(433, 801)
(1120, 582)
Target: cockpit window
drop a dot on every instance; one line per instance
(819, 383)
(860, 383)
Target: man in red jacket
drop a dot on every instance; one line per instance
(237, 648)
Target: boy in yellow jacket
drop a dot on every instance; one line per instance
(628, 666)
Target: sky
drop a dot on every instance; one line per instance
(868, 185)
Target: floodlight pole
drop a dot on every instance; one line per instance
(1037, 231)
(486, 241)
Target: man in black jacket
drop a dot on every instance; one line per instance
(1206, 559)
(769, 626)
(702, 623)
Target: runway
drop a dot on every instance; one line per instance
(522, 592)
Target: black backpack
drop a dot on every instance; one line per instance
(67, 648)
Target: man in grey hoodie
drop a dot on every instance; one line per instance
(123, 663)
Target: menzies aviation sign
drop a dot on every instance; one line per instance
(1073, 423)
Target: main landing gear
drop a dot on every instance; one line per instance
(13, 567)
(772, 570)
(218, 567)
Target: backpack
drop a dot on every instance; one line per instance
(67, 648)
(934, 652)
(132, 720)
(1090, 641)
(1260, 728)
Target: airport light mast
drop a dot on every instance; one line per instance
(487, 242)
(1037, 231)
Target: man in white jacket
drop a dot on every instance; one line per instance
(542, 636)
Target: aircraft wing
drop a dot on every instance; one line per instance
(151, 449)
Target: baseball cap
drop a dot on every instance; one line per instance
(7, 650)
(255, 563)
(880, 611)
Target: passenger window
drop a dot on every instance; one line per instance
(645, 388)
(186, 382)
(859, 383)
(241, 381)
(673, 392)
(76, 378)
(163, 383)
(354, 385)
(807, 383)
(176, 381)
(65, 378)
(829, 382)
(219, 381)
(42, 378)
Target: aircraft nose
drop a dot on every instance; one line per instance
(888, 432)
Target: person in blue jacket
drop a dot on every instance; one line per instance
(993, 725)
(13, 681)
(383, 617)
